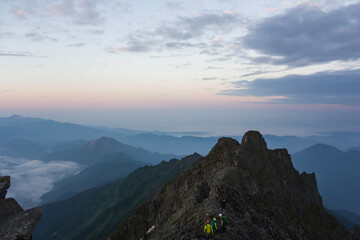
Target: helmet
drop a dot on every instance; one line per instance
(214, 219)
(220, 215)
(208, 221)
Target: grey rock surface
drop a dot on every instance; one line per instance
(19, 225)
(9, 206)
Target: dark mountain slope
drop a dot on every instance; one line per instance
(95, 150)
(348, 219)
(95, 213)
(267, 198)
(114, 167)
(337, 174)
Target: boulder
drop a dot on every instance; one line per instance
(19, 225)
(8, 206)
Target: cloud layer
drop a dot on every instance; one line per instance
(307, 35)
(30, 179)
(16, 54)
(84, 12)
(183, 33)
(342, 87)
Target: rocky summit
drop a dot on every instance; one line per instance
(15, 223)
(266, 198)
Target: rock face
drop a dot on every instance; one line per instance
(4, 185)
(266, 199)
(15, 223)
(356, 232)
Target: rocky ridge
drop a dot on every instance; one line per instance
(267, 199)
(15, 223)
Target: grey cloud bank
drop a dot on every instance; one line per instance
(190, 27)
(30, 179)
(307, 35)
(16, 54)
(342, 87)
(184, 32)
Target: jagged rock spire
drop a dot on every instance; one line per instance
(253, 141)
(224, 144)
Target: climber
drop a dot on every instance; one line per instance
(213, 225)
(208, 230)
(223, 220)
(223, 203)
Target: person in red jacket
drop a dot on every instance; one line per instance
(208, 230)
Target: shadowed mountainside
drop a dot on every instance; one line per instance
(95, 213)
(113, 167)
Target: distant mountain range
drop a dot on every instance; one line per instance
(49, 136)
(337, 174)
(95, 213)
(46, 132)
(94, 151)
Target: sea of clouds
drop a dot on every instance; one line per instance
(30, 179)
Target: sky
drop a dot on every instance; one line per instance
(218, 66)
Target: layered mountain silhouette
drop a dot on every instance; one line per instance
(55, 136)
(50, 134)
(267, 198)
(46, 132)
(337, 174)
(95, 151)
(95, 213)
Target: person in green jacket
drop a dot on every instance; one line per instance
(208, 230)
(223, 220)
